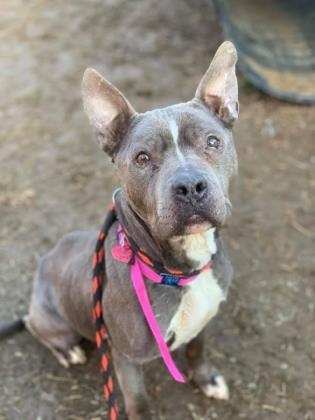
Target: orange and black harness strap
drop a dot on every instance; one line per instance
(101, 335)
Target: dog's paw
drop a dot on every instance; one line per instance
(216, 388)
(76, 356)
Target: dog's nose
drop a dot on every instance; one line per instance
(191, 188)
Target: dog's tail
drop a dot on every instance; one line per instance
(11, 328)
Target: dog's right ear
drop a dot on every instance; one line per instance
(108, 110)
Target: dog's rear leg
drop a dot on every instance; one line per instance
(55, 333)
(206, 377)
(131, 382)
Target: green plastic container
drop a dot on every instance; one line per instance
(275, 40)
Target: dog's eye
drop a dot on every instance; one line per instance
(213, 141)
(142, 159)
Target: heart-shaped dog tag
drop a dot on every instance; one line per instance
(122, 253)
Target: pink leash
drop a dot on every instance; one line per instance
(143, 298)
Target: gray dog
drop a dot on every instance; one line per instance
(174, 165)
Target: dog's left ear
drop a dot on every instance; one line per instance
(218, 88)
(108, 110)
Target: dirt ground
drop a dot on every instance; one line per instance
(54, 179)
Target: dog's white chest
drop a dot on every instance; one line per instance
(202, 297)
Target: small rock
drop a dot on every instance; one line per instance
(268, 128)
(252, 385)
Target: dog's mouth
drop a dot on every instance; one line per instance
(197, 224)
(188, 221)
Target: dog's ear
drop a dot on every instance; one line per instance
(108, 110)
(218, 88)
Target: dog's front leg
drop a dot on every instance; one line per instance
(205, 376)
(131, 381)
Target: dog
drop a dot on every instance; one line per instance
(174, 166)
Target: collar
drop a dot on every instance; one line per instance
(127, 251)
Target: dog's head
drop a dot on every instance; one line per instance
(174, 163)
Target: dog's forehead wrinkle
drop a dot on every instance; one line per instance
(171, 123)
